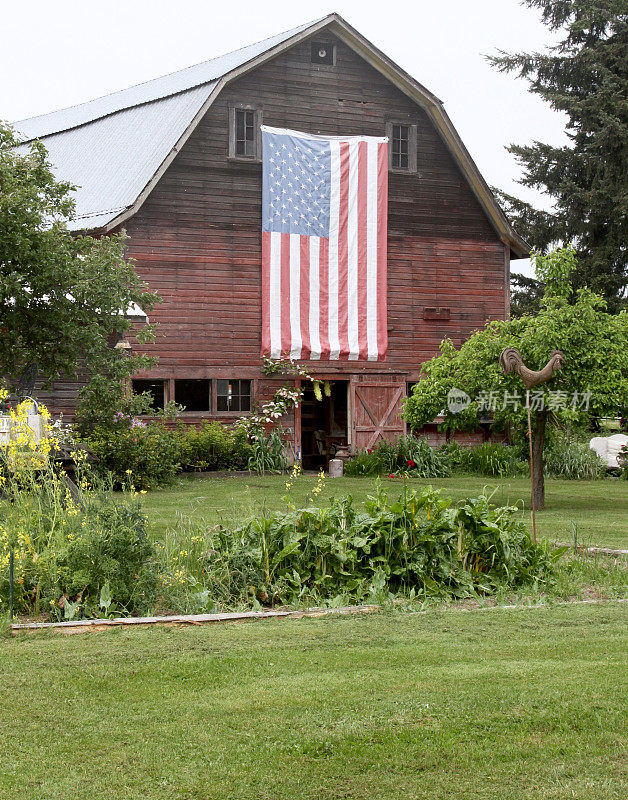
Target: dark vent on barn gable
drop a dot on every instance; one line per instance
(323, 53)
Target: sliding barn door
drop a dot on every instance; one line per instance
(376, 412)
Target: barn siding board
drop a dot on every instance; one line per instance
(196, 239)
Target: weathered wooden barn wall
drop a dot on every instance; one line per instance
(197, 237)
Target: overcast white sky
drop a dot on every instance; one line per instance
(59, 53)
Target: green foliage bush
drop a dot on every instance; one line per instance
(213, 446)
(269, 453)
(149, 452)
(491, 459)
(152, 453)
(155, 453)
(74, 557)
(572, 458)
(419, 545)
(406, 454)
(111, 551)
(564, 458)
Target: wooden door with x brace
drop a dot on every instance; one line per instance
(376, 411)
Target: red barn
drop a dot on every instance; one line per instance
(176, 161)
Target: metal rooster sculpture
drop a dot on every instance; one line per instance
(510, 360)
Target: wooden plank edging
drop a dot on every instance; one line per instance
(200, 619)
(192, 619)
(607, 551)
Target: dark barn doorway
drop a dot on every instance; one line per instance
(324, 424)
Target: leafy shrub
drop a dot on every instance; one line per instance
(110, 551)
(572, 458)
(213, 446)
(406, 455)
(149, 451)
(364, 462)
(269, 453)
(207, 570)
(75, 552)
(419, 545)
(68, 559)
(491, 459)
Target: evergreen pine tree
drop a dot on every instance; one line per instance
(584, 76)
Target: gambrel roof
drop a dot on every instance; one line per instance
(114, 149)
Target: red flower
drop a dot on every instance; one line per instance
(411, 463)
(369, 450)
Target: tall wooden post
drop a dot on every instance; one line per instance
(11, 560)
(531, 466)
(510, 360)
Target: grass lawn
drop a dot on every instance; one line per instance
(599, 509)
(525, 703)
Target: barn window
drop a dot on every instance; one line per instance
(401, 146)
(156, 389)
(233, 395)
(244, 133)
(323, 53)
(193, 394)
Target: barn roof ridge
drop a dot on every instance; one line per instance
(95, 145)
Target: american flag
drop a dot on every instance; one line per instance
(324, 231)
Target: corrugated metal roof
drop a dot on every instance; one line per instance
(112, 159)
(110, 148)
(206, 72)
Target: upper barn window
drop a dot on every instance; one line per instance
(244, 133)
(401, 146)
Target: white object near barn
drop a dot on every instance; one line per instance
(608, 448)
(9, 427)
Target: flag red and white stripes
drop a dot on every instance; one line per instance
(324, 297)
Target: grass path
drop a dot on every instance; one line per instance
(511, 704)
(598, 509)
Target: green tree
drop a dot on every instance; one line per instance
(63, 296)
(592, 382)
(585, 77)
(525, 295)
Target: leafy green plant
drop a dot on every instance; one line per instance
(366, 462)
(74, 552)
(572, 458)
(420, 545)
(407, 454)
(269, 453)
(105, 600)
(212, 445)
(149, 451)
(109, 558)
(492, 459)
